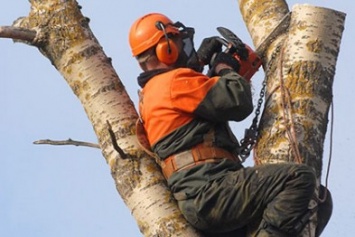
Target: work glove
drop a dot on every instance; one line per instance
(241, 51)
(208, 48)
(223, 61)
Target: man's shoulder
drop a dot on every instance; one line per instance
(187, 72)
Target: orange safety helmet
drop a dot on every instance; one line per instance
(145, 33)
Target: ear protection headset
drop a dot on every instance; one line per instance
(166, 50)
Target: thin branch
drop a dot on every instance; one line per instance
(66, 142)
(114, 142)
(17, 33)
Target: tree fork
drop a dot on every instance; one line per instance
(64, 37)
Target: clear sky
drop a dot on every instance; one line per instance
(68, 191)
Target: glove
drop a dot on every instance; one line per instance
(242, 52)
(208, 48)
(224, 61)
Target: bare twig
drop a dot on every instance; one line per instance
(66, 142)
(114, 142)
(17, 33)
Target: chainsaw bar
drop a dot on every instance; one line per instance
(280, 28)
(233, 43)
(230, 37)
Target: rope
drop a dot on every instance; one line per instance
(286, 104)
(322, 199)
(291, 131)
(287, 113)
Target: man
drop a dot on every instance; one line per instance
(185, 115)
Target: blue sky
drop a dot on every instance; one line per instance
(68, 191)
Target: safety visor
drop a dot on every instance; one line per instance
(187, 35)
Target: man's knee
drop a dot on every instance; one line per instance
(304, 174)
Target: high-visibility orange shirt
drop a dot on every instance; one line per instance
(171, 102)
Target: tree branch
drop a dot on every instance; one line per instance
(66, 142)
(114, 142)
(17, 33)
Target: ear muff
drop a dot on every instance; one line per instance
(167, 51)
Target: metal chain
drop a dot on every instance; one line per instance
(251, 134)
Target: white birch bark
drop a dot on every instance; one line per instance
(64, 37)
(307, 71)
(300, 68)
(304, 73)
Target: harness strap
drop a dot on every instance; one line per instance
(143, 140)
(199, 154)
(204, 152)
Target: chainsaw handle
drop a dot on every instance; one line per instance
(222, 41)
(225, 43)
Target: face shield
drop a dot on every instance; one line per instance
(189, 56)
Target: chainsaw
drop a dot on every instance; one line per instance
(249, 60)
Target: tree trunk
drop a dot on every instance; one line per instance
(293, 125)
(64, 37)
(300, 68)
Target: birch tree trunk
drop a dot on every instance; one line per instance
(300, 75)
(299, 88)
(64, 37)
(300, 68)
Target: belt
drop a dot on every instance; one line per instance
(199, 154)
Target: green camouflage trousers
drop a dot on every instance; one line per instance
(278, 194)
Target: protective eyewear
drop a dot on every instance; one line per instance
(187, 35)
